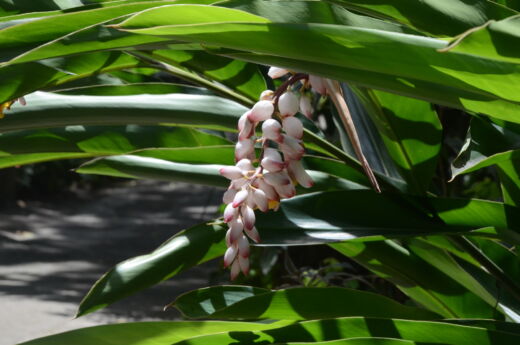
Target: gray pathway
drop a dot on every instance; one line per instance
(52, 252)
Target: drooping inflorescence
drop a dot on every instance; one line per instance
(261, 183)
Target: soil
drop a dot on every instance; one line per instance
(52, 251)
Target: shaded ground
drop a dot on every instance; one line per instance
(52, 252)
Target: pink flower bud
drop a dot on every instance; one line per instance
(240, 197)
(273, 154)
(230, 255)
(245, 127)
(306, 106)
(268, 190)
(277, 72)
(318, 84)
(271, 130)
(231, 172)
(260, 200)
(285, 191)
(228, 238)
(272, 165)
(243, 262)
(235, 230)
(293, 126)
(243, 246)
(238, 183)
(298, 172)
(235, 270)
(288, 104)
(230, 213)
(244, 148)
(261, 111)
(245, 165)
(277, 178)
(229, 195)
(266, 95)
(248, 216)
(253, 234)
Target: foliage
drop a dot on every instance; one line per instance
(93, 76)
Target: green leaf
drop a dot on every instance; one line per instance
(411, 132)
(184, 250)
(346, 328)
(29, 77)
(494, 40)
(147, 333)
(473, 83)
(438, 17)
(422, 282)
(24, 147)
(47, 110)
(243, 302)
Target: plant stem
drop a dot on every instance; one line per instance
(488, 264)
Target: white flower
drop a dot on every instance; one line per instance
(277, 72)
(293, 126)
(261, 111)
(288, 104)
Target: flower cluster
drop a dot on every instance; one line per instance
(261, 183)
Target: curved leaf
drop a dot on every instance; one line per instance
(242, 302)
(47, 110)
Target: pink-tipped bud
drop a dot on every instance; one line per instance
(306, 106)
(235, 270)
(243, 246)
(231, 172)
(272, 130)
(261, 111)
(230, 213)
(253, 234)
(269, 152)
(240, 197)
(260, 200)
(238, 183)
(266, 95)
(235, 230)
(243, 262)
(289, 153)
(228, 238)
(297, 170)
(318, 84)
(285, 191)
(269, 191)
(293, 126)
(230, 255)
(248, 216)
(245, 126)
(277, 72)
(272, 165)
(288, 104)
(245, 165)
(244, 148)
(277, 178)
(229, 195)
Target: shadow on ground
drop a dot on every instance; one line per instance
(52, 252)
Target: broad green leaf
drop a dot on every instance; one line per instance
(422, 282)
(170, 165)
(47, 110)
(509, 174)
(151, 88)
(408, 58)
(495, 40)
(29, 77)
(424, 332)
(184, 250)
(238, 76)
(242, 302)
(411, 132)
(132, 166)
(17, 39)
(471, 277)
(24, 147)
(148, 333)
(358, 341)
(437, 17)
